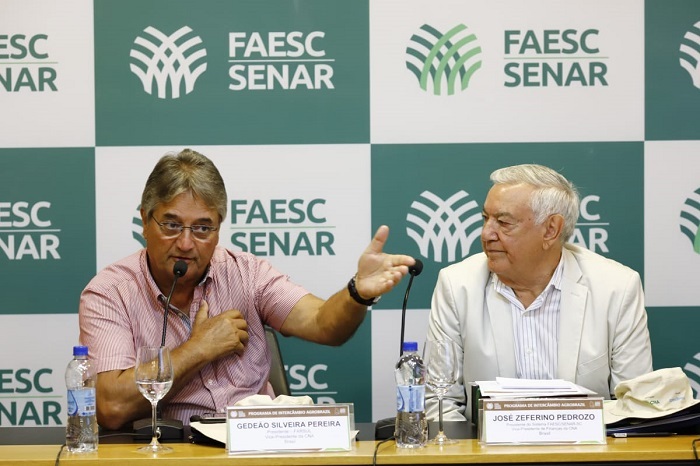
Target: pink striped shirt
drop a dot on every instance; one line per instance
(122, 309)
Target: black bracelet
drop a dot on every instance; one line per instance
(356, 296)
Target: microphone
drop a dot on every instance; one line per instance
(169, 428)
(413, 271)
(179, 269)
(384, 428)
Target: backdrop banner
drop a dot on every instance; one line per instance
(327, 119)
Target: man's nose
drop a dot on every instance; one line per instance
(488, 232)
(185, 241)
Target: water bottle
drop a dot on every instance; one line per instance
(81, 426)
(411, 429)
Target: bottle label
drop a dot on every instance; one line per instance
(81, 402)
(410, 398)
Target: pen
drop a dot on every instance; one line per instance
(642, 434)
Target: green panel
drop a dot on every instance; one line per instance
(337, 35)
(597, 169)
(341, 373)
(47, 229)
(672, 103)
(672, 347)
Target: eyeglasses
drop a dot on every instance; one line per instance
(174, 229)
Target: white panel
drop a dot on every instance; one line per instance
(58, 51)
(120, 175)
(671, 266)
(335, 177)
(489, 111)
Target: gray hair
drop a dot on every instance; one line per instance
(188, 171)
(553, 193)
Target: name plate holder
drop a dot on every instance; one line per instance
(541, 421)
(276, 428)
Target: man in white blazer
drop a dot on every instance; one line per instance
(534, 306)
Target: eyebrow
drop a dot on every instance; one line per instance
(498, 215)
(173, 217)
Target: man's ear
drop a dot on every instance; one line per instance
(553, 228)
(144, 221)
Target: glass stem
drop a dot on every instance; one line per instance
(154, 440)
(440, 433)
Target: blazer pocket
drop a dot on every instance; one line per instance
(593, 365)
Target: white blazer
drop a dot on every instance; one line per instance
(603, 338)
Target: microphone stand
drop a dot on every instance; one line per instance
(167, 307)
(403, 313)
(413, 271)
(170, 429)
(384, 429)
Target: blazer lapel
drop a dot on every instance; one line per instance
(502, 328)
(573, 309)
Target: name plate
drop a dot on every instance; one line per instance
(251, 429)
(541, 421)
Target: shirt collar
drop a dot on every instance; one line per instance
(554, 282)
(206, 277)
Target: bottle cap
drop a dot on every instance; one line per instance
(410, 346)
(80, 351)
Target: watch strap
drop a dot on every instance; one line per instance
(356, 296)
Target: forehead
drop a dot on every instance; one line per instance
(508, 199)
(186, 206)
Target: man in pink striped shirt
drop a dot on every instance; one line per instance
(218, 307)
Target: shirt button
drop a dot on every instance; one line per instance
(210, 382)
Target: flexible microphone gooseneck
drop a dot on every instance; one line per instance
(168, 429)
(179, 269)
(413, 271)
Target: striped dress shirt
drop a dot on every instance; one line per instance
(122, 309)
(536, 329)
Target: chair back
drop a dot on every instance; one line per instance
(278, 376)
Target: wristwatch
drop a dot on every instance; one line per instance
(356, 296)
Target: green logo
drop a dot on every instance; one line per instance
(137, 227)
(25, 64)
(554, 57)
(34, 401)
(690, 219)
(168, 63)
(443, 61)
(288, 227)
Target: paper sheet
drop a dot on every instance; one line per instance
(530, 388)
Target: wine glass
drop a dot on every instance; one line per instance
(441, 369)
(154, 377)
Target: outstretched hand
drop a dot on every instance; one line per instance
(377, 271)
